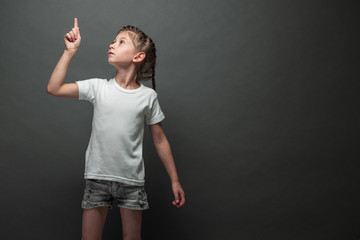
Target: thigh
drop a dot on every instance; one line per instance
(97, 193)
(93, 223)
(131, 197)
(131, 223)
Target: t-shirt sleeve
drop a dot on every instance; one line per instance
(88, 88)
(155, 114)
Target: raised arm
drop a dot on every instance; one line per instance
(56, 86)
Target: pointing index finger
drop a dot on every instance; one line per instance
(75, 22)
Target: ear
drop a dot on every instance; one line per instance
(140, 56)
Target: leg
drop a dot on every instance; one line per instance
(131, 223)
(93, 223)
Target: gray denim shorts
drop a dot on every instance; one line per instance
(100, 193)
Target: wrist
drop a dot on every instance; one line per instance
(176, 181)
(70, 52)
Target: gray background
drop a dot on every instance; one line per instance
(261, 104)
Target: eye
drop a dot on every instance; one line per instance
(122, 41)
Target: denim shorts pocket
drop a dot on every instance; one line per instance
(97, 191)
(142, 197)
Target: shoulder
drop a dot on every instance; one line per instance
(93, 81)
(101, 80)
(149, 92)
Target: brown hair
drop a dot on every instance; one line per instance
(143, 43)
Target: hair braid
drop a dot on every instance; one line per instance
(153, 79)
(143, 43)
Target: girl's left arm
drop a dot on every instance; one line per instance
(163, 149)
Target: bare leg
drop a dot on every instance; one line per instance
(93, 223)
(131, 223)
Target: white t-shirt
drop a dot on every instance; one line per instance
(115, 147)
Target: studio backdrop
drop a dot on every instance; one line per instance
(261, 112)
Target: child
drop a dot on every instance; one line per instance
(114, 167)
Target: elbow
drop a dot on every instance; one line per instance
(158, 134)
(157, 142)
(48, 90)
(159, 139)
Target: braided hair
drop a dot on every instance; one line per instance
(143, 43)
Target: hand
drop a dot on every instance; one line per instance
(72, 39)
(179, 195)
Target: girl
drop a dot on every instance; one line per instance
(114, 167)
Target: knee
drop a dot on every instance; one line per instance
(131, 237)
(84, 237)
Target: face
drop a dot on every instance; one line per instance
(122, 50)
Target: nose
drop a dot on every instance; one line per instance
(111, 46)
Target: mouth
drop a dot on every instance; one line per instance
(110, 53)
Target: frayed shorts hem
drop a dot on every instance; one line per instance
(94, 205)
(133, 207)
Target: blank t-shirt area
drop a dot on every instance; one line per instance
(115, 150)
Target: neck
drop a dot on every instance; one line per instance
(126, 78)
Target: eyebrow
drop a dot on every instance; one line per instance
(127, 39)
(121, 38)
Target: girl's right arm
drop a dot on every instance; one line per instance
(56, 86)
